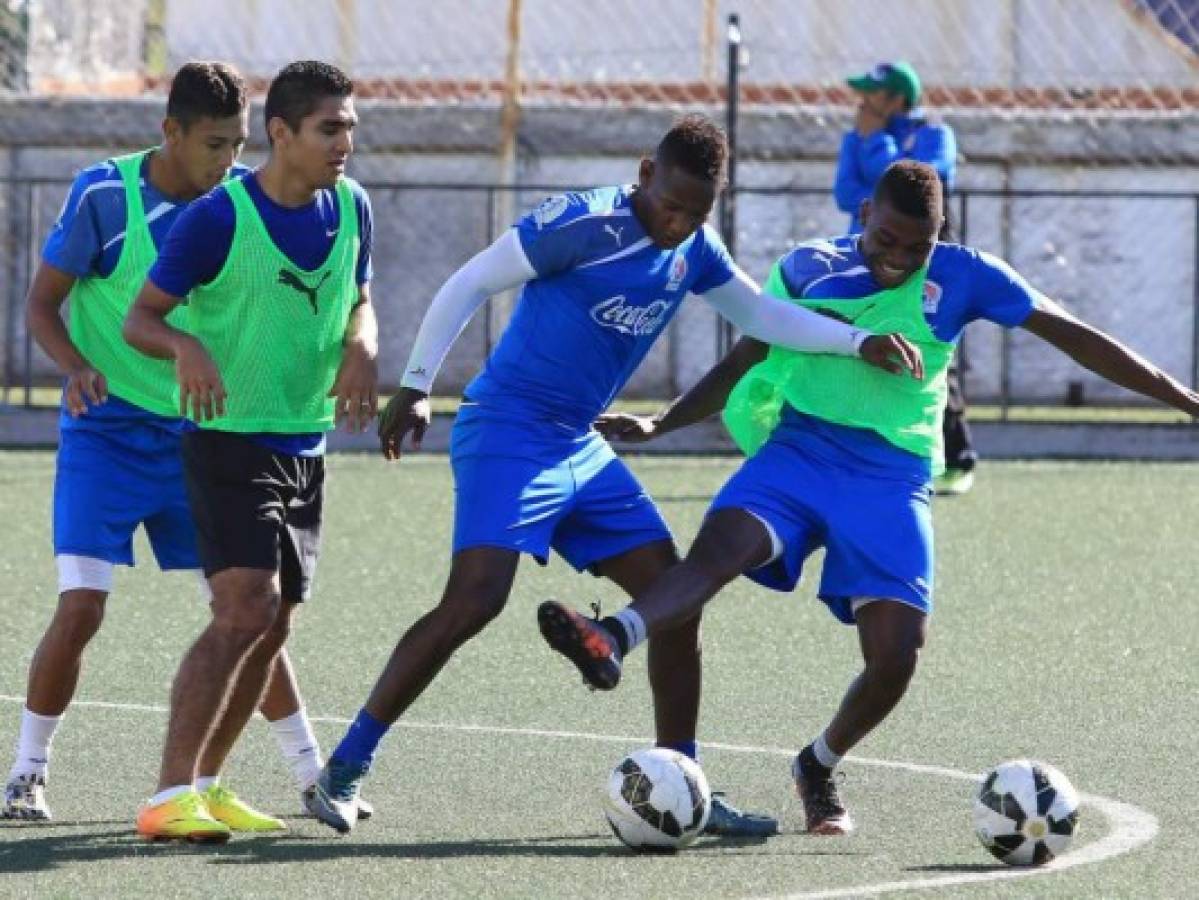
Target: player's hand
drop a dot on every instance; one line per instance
(407, 411)
(200, 384)
(356, 389)
(85, 387)
(627, 427)
(893, 352)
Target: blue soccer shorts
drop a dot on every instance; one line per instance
(537, 486)
(110, 480)
(876, 531)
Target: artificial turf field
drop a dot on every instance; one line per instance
(1065, 629)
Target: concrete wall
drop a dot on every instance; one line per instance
(1127, 265)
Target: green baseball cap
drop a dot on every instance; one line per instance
(897, 77)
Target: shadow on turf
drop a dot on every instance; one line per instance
(959, 867)
(40, 851)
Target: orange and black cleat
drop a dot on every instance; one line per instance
(583, 641)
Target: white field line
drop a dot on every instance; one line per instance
(1130, 826)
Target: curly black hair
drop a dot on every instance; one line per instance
(697, 145)
(912, 188)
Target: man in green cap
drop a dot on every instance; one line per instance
(889, 126)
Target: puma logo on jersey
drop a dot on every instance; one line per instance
(615, 232)
(292, 280)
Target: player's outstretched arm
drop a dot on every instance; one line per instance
(356, 387)
(43, 317)
(501, 267)
(1104, 355)
(146, 329)
(706, 398)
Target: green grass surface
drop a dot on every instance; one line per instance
(1064, 630)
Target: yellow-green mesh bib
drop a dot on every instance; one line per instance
(98, 306)
(274, 330)
(846, 390)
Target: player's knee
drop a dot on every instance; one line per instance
(246, 605)
(473, 603)
(79, 616)
(895, 664)
(729, 542)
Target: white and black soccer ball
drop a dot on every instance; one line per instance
(657, 799)
(1025, 812)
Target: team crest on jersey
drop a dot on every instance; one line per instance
(550, 209)
(932, 296)
(678, 271)
(620, 315)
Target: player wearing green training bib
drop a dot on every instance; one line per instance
(275, 267)
(842, 460)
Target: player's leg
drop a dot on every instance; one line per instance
(891, 635)
(676, 676)
(96, 508)
(730, 541)
(53, 677)
(960, 455)
(239, 492)
(479, 583)
(878, 574)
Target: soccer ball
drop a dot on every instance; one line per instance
(1025, 812)
(657, 799)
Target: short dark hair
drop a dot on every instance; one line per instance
(300, 87)
(697, 145)
(199, 90)
(911, 188)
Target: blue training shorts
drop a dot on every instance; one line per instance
(111, 479)
(876, 530)
(531, 486)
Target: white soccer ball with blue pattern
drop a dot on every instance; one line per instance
(657, 800)
(1025, 812)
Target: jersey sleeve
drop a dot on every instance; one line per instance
(547, 237)
(716, 265)
(366, 228)
(999, 293)
(74, 244)
(197, 245)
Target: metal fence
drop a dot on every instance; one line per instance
(1086, 249)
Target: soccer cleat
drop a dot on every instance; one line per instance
(583, 641)
(225, 806)
(823, 810)
(365, 809)
(728, 821)
(182, 818)
(25, 799)
(334, 798)
(954, 482)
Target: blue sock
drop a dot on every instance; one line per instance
(361, 740)
(689, 749)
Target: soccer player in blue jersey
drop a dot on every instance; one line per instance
(118, 456)
(602, 273)
(276, 267)
(853, 490)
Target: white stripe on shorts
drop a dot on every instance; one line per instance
(83, 573)
(776, 545)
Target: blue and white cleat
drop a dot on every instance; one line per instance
(728, 821)
(334, 798)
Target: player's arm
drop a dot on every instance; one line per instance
(501, 267)
(849, 188)
(706, 397)
(1106, 356)
(146, 329)
(43, 317)
(356, 387)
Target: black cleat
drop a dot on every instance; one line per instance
(583, 641)
(823, 810)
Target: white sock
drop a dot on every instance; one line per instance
(824, 754)
(204, 782)
(33, 744)
(634, 626)
(297, 741)
(165, 795)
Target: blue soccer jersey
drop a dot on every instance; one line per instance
(603, 294)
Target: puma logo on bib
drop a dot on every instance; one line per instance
(292, 280)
